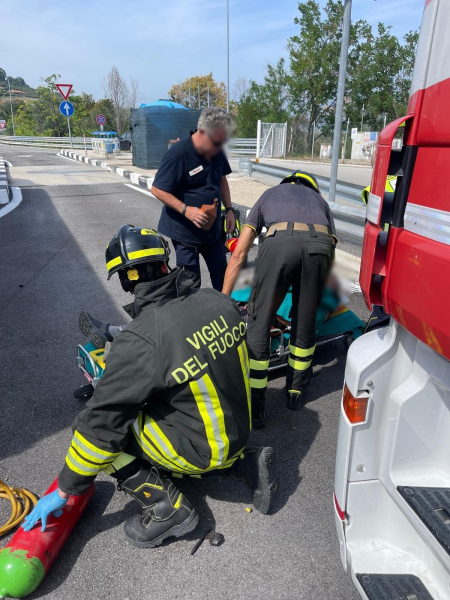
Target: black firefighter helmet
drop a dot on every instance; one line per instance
(302, 178)
(136, 252)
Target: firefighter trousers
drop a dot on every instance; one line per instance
(297, 259)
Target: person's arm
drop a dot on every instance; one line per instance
(237, 259)
(226, 199)
(192, 213)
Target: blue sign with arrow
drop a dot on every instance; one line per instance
(66, 108)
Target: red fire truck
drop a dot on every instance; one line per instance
(392, 482)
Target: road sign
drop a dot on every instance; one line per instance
(64, 89)
(66, 108)
(354, 133)
(2, 124)
(101, 119)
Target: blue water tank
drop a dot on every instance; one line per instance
(154, 127)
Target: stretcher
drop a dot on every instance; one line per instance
(334, 321)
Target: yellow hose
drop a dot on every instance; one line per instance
(21, 502)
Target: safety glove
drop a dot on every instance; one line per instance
(49, 504)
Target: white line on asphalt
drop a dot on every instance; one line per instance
(66, 157)
(7, 163)
(133, 187)
(16, 200)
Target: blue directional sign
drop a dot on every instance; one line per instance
(66, 108)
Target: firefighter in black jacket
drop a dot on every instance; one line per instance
(174, 398)
(297, 251)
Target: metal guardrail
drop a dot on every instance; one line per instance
(45, 142)
(350, 220)
(243, 146)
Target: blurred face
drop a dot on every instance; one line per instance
(210, 144)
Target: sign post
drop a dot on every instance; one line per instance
(101, 120)
(66, 108)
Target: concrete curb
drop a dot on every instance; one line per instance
(16, 199)
(135, 178)
(5, 193)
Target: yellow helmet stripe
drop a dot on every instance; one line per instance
(113, 263)
(310, 179)
(147, 252)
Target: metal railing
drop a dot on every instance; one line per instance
(244, 146)
(350, 220)
(45, 142)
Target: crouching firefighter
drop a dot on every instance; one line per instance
(174, 399)
(297, 251)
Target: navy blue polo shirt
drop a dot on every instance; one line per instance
(184, 173)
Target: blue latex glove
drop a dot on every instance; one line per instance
(52, 503)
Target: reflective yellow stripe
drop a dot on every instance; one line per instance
(144, 444)
(307, 177)
(178, 502)
(251, 227)
(213, 418)
(243, 357)
(259, 365)
(258, 383)
(77, 464)
(299, 365)
(165, 447)
(112, 263)
(147, 252)
(91, 451)
(301, 352)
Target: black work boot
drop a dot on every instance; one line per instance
(295, 399)
(95, 331)
(256, 468)
(166, 511)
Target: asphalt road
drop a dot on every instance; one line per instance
(52, 267)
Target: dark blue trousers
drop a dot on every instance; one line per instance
(188, 257)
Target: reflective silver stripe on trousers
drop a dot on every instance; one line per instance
(373, 208)
(431, 223)
(210, 408)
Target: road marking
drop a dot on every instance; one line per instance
(133, 187)
(7, 163)
(66, 157)
(16, 200)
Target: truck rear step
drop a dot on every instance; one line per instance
(393, 587)
(432, 506)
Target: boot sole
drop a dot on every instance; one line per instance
(178, 531)
(91, 332)
(294, 405)
(269, 478)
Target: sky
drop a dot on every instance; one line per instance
(160, 42)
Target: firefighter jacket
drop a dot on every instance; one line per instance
(175, 389)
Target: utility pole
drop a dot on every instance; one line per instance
(12, 114)
(384, 124)
(228, 56)
(199, 95)
(208, 95)
(363, 112)
(313, 136)
(340, 98)
(189, 95)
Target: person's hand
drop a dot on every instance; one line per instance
(51, 503)
(230, 221)
(197, 216)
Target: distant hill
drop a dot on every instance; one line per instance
(19, 89)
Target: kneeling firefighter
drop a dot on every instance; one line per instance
(297, 251)
(174, 398)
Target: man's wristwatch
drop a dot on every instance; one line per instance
(183, 210)
(229, 208)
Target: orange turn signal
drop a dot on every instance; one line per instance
(354, 408)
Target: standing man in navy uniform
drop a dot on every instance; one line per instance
(193, 173)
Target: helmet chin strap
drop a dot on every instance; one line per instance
(141, 273)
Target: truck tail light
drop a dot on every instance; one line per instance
(354, 408)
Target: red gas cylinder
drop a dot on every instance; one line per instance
(29, 555)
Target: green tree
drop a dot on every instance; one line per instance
(217, 92)
(267, 101)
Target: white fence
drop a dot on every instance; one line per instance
(271, 140)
